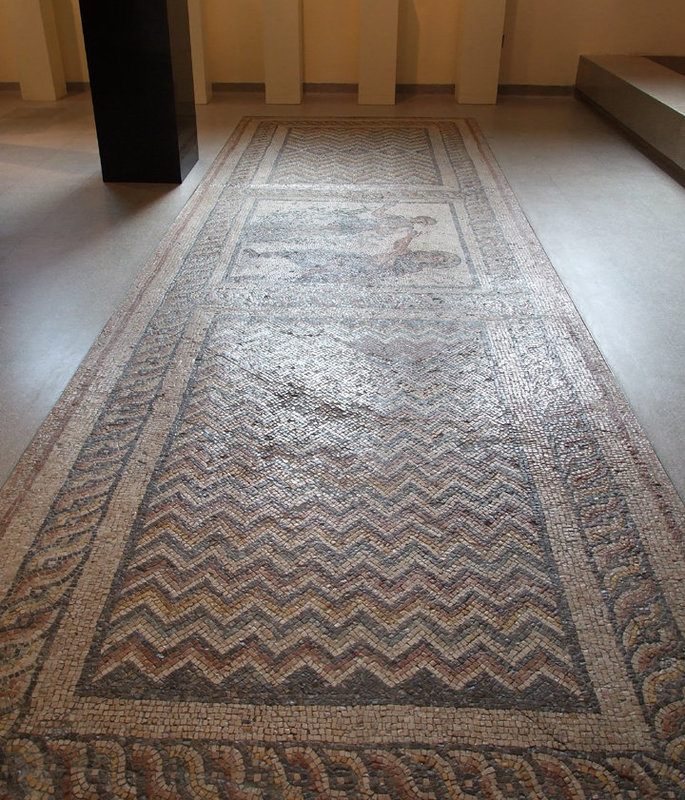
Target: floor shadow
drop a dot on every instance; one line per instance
(675, 63)
(51, 159)
(74, 214)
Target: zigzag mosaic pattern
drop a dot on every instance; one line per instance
(313, 156)
(361, 515)
(371, 536)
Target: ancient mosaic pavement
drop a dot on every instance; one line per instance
(343, 504)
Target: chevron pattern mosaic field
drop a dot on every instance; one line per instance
(343, 504)
(341, 548)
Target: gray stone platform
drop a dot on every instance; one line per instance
(644, 97)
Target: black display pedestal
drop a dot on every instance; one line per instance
(141, 81)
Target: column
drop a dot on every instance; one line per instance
(283, 57)
(481, 25)
(377, 51)
(34, 30)
(201, 82)
(141, 81)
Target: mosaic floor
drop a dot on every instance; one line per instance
(343, 504)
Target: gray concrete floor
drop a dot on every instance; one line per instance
(612, 223)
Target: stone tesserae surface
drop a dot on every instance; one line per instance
(610, 220)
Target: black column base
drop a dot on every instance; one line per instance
(141, 82)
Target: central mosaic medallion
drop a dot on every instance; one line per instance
(386, 244)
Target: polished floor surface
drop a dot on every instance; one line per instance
(610, 220)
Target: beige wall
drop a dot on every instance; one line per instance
(70, 37)
(426, 41)
(543, 38)
(233, 32)
(331, 41)
(9, 71)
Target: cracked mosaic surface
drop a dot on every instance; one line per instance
(344, 503)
